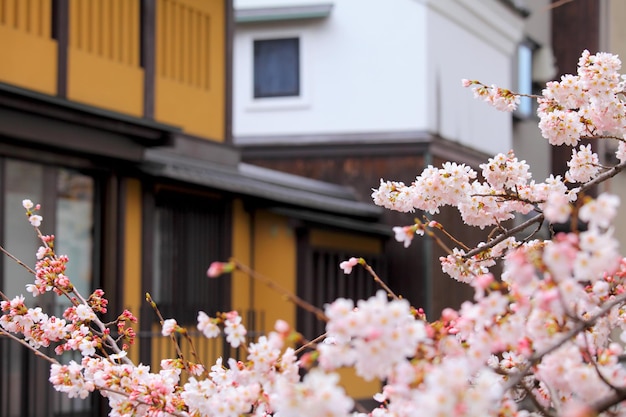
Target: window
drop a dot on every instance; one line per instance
(277, 68)
(67, 199)
(525, 78)
(190, 233)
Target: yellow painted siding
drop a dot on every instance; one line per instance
(345, 241)
(190, 59)
(275, 257)
(103, 55)
(133, 296)
(29, 54)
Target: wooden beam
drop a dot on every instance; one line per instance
(60, 32)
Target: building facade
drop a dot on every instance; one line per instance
(351, 91)
(116, 117)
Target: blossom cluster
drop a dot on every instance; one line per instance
(586, 104)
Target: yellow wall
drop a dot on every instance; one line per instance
(29, 54)
(345, 241)
(269, 249)
(275, 258)
(103, 55)
(131, 280)
(355, 386)
(190, 60)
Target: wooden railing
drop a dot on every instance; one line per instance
(183, 43)
(107, 28)
(30, 16)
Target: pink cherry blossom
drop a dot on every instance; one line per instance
(347, 266)
(169, 327)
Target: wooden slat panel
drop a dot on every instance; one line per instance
(12, 13)
(34, 10)
(171, 39)
(124, 30)
(207, 58)
(84, 35)
(200, 50)
(105, 29)
(193, 41)
(114, 29)
(73, 23)
(135, 27)
(184, 44)
(95, 28)
(180, 37)
(45, 21)
(160, 41)
(185, 57)
(21, 13)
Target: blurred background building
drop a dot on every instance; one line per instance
(161, 135)
(115, 115)
(354, 91)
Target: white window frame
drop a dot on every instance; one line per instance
(302, 101)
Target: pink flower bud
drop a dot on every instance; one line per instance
(347, 266)
(218, 268)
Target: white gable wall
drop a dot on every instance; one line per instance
(385, 66)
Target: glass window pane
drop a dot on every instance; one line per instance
(277, 67)
(74, 226)
(22, 180)
(525, 79)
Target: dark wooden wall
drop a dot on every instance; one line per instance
(575, 27)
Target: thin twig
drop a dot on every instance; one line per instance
(310, 343)
(379, 281)
(440, 227)
(558, 3)
(20, 263)
(179, 351)
(510, 232)
(535, 401)
(192, 347)
(286, 293)
(27, 345)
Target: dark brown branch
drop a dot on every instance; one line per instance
(539, 218)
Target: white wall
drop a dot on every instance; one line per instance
(466, 42)
(527, 140)
(381, 66)
(363, 70)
